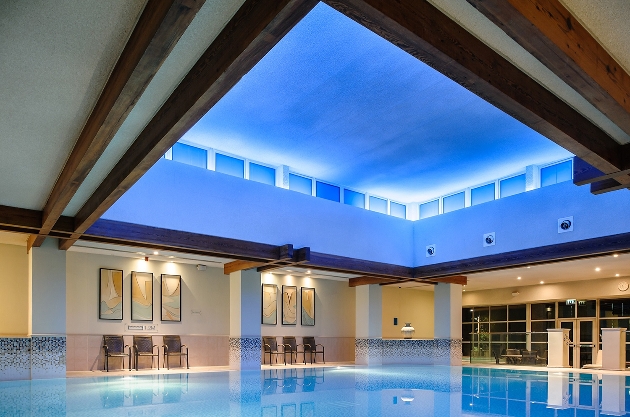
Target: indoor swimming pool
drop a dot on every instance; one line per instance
(334, 391)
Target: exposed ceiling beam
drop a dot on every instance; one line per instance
(158, 29)
(425, 32)
(584, 173)
(358, 281)
(456, 279)
(13, 219)
(296, 258)
(547, 30)
(236, 266)
(255, 28)
(367, 280)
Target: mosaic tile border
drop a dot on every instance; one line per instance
(245, 352)
(15, 358)
(409, 351)
(48, 357)
(368, 351)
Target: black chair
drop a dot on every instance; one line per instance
(290, 348)
(312, 348)
(270, 347)
(143, 346)
(529, 357)
(114, 347)
(173, 347)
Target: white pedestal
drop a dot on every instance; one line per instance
(614, 349)
(558, 355)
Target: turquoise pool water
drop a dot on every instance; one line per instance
(343, 391)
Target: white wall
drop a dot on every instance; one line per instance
(205, 296)
(522, 221)
(48, 288)
(334, 308)
(585, 290)
(14, 296)
(181, 197)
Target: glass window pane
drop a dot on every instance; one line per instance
(566, 311)
(466, 331)
(430, 209)
(564, 171)
(587, 308)
(231, 166)
(300, 184)
(398, 210)
(327, 191)
(352, 198)
(467, 314)
(498, 313)
(518, 312)
(516, 327)
(190, 155)
(548, 176)
(498, 327)
(614, 308)
(260, 173)
(453, 202)
(482, 194)
(543, 311)
(512, 186)
(378, 204)
(481, 314)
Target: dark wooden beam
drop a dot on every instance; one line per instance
(456, 279)
(584, 173)
(581, 249)
(422, 30)
(358, 281)
(14, 219)
(158, 29)
(235, 266)
(297, 258)
(255, 28)
(334, 263)
(547, 30)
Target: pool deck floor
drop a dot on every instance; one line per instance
(200, 369)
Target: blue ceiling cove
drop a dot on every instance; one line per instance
(335, 101)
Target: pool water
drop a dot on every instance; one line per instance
(341, 391)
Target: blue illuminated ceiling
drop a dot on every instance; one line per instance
(335, 101)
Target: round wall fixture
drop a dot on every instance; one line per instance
(622, 286)
(489, 239)
(565, 225)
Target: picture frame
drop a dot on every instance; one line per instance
(307, 306)
(171, 297)
(110, 294)
(269, 312)
(141, 296)
(289, 305)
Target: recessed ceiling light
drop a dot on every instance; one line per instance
(616, 275)
(615, 255)
(156, 253)
(464, 290)
(171, 257)
(598, 269)
(140, 253)
(528, 267)
(308, 272)
(288, 270)
(542, 282)
(518, 277)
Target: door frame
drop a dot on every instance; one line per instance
(575, 345)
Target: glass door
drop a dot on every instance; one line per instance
(587, 341)
(583, 341)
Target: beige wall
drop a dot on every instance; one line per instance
(588, 289)
(205, 296)
(334, 308)
(408, 305)
(14, 297)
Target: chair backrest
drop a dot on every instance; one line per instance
(290, 340)
(599, 358)
(114, 343)
(173, 343)
(143, 344)
(309, 343)
(513, 352)
(271, 341)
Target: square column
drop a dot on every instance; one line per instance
(614, 349)
(245, 310)
(368, 344)
(447, 313)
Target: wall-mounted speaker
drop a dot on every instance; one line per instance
(489, 239)
(565, 224)
(430, 250)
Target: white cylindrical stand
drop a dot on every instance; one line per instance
(558, 342)
(614, 349)
(613, 395)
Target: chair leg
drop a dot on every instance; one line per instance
(187, 366)
(106, 363)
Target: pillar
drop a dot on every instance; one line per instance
(245, 310)
(368, 347)
(447, 313)
(48, 312)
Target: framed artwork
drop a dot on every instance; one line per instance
(289, 304)
(308, 306)
(171, 297)
(110, 294)
(269, 304)
(142, 296)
